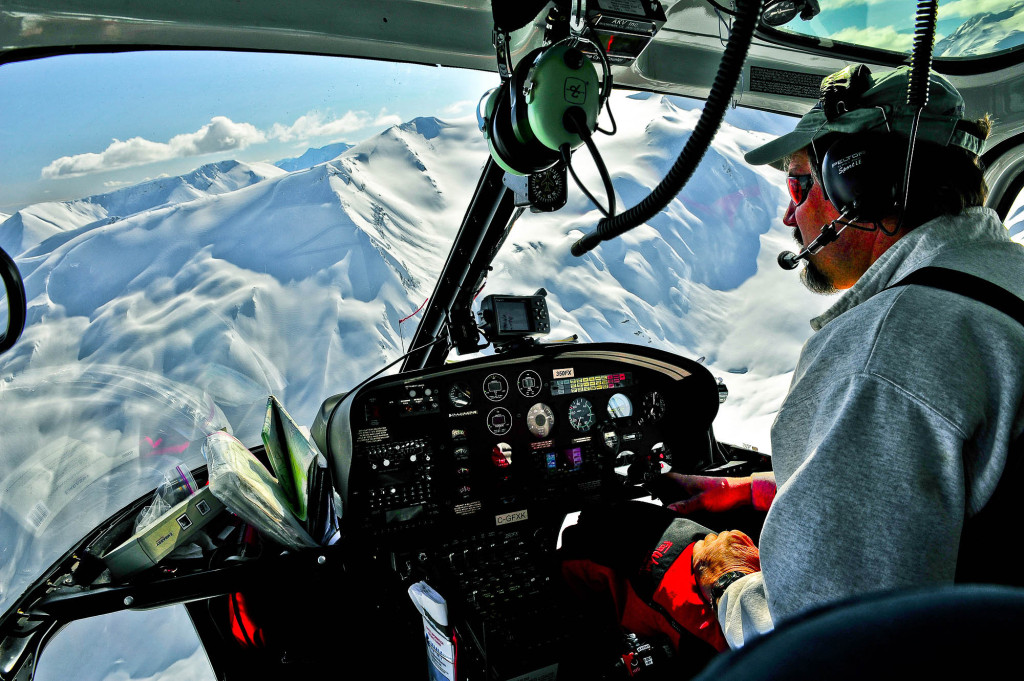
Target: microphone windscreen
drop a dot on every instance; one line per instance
(788, 260)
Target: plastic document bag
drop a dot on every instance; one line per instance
(241, 482)
(440, 641)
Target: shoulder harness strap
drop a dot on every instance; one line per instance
(1000, 515)
(979, 289)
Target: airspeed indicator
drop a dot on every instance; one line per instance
(581, 414)
(460, 395)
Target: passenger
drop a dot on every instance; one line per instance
(905, 401)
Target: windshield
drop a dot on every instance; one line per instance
(198, 231)
(965, 29)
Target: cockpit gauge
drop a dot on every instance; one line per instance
(581, 414)
(623, 461)
(620, 406)
(529, 383)
(546, 190)
(540, 420)
(609, 437)
(499, 421)
(460, 395)
(495, 387)
(654, 406)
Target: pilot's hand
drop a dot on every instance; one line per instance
(720, 554)
(716, 494)
(706, 493)
(636, 557)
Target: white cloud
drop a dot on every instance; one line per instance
(456, 108)
(316, 124)
(882, 37)
(220, 134)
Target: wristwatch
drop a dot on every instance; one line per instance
(721, 584)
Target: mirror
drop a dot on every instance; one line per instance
(1015, 218)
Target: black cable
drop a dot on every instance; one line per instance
(722, 9)
(601, 168)
(575, 122)
(918, 84)
(615, 126)
(567, 160)
(728, 76)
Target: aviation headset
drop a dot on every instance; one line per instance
(863, 173)
(552, 99)
(859, 172)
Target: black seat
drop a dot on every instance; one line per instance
(965, 631)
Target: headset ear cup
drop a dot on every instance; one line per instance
(563, 80)
(861, 174)
(512, 155)
(517, 101)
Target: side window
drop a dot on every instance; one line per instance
(1015, 218)
(158, 645)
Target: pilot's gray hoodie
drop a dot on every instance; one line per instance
(897, 422)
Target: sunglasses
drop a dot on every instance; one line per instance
(799, 187)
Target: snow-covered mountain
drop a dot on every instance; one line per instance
(983, 34)
(32, 225)
(297, 281)
(312, 157)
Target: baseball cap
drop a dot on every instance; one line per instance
(855, 100)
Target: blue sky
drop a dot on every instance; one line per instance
(263, 108)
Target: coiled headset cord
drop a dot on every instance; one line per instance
(918, 84)
(729, 70)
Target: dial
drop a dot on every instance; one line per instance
(530, 383)
(499, 421)
(620, 406)
(546, 189)
(495, 387)
(609, 437)
(460, 395)
(581, 414)
(654, 406)
(540, 419)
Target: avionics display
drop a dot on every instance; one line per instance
(569, 386)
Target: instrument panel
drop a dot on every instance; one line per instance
(491, 442)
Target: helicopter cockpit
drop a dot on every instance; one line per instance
(222, 448)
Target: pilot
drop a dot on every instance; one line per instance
(904, 403)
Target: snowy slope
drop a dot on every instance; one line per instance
(312, 157)
(983, 34)
(33, 224)
(297, 280)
